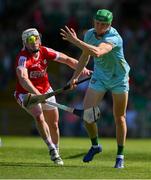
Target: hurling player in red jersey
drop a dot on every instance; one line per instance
(31, 69)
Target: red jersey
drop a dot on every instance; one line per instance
(37, 68)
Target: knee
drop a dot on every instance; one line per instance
(54, 124)
(36, 112)
(39, 118)
(91, 115)
(54, 119)
(120, 119)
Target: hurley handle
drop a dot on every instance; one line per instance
(78, 82)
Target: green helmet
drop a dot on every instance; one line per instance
(104, 15)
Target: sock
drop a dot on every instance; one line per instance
(120, 150)
(94, 142)
(57, 147)
(120, 156)
(49, 143)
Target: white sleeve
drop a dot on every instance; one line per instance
(50, 51)
(57, 55)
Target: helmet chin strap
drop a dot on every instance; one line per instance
(35, 51)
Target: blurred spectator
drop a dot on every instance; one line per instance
(5, 68)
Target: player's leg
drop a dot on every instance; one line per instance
(44, 131)
(119, 111)
(51, 117)
(41, 125)
(92, 98)
(38, 116)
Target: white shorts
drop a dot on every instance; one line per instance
(51, 99)
(19, 97)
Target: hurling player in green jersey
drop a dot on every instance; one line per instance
(111, 73)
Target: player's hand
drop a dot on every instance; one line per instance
(86, 72)
(68, 34)
(72, 83)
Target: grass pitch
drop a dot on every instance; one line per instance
(27, 158)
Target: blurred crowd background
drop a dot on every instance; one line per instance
(132, 18)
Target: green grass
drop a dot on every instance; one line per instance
(27, 157)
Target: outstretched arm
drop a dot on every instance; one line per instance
(84, 58)
(73, 63)
(71, 36)
(83, 61)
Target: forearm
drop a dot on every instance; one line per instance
(22, 74)
(90, 49)
(27, 85)
(83, 61)
(71, 62)
(96, 51)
